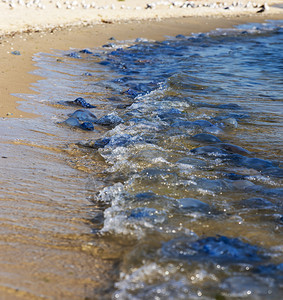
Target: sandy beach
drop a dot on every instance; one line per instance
(21, 16)
(46, 237)
(39, 26)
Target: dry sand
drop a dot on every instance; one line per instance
(42, 25)
(23, 15)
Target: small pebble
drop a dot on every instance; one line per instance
(16, 52)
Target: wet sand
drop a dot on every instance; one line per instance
(45, 230)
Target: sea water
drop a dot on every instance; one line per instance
(186, 177)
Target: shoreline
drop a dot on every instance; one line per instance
(50, 248)
(16, 70)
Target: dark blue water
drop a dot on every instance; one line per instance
(189, 201)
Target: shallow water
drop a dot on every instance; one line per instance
(183, 187)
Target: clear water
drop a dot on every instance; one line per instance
(184, 217)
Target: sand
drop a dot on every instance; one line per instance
(32, 30)
(42, 25)
(26, 15)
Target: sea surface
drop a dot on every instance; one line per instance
(174, 177)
